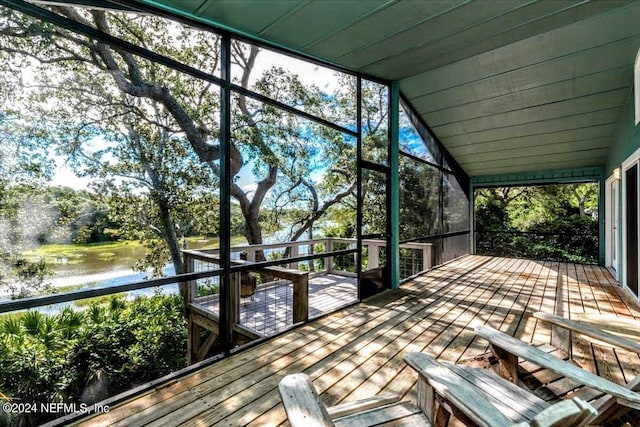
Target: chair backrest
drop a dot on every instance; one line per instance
(301, 402)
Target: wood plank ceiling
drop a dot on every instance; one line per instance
(507, 86)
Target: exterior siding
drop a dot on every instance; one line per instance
(626, 142)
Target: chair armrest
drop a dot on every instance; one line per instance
(301, 402)
(590, 331)
(455, 390)
(574, 412)
(526, 351)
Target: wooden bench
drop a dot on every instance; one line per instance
(508, 350)
(475, 396)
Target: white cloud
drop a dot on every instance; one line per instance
(249, 187)
(65, 177)
(308, 73)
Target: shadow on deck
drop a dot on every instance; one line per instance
(357, 352)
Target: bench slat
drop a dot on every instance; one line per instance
(350, 408)
(513, 402)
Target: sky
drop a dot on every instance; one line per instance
(65, 177)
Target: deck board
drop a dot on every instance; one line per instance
(357, 352)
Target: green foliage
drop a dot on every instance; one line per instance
(21, 276)
(553, 222)
(342, 223)
(84, 356)
(419, 199)
(207, 287)
(36, 214)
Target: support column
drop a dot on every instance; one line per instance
(472, 220)
(225, 195)
(602, 188)
(394, 190)
(329, 260)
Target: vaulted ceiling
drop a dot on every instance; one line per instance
(507, 86)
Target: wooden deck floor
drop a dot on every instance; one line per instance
(271, 309)
(357, 352)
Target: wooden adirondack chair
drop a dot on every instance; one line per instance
(609, 407)
(618, 400)
(473, 395)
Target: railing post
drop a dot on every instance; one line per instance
(193, 340)
(295, 251)
(301, 299)
(426, 256)
(356, 258)
(235, 298)
(374, 255)
(329, 248)
(310, 251)
(191, 290)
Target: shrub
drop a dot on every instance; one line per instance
(85, 356)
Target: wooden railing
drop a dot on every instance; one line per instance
(299, 280)
(334, 256)
(202, 317)
(328, 245)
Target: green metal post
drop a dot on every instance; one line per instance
(394, 163)
(601, 225)
(619, 272)
(472, 220)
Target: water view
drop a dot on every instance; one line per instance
(100, 265)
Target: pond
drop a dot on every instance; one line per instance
(75, 264)
(83, 267)
(104, 265)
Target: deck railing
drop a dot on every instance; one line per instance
(266, 300)
(545, 246)
(418, 256)
(203, 297)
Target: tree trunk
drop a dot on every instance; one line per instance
(173, 243)
(582, 200)
(251, 208)
(253, 232)
(312, 263)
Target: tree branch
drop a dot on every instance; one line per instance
(317, 213)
